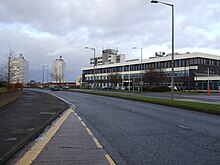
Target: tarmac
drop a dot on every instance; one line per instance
(67, 141)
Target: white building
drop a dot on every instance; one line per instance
(109, 56)
(59, 69)
(192, 71)
(19, 68)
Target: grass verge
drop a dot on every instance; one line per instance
(195, 106)
(3, 89)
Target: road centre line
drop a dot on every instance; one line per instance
(36, 149)
(184, 127)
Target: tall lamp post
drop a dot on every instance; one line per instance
(141, 82)
(172, 61)
(43, 66)
(94, 82)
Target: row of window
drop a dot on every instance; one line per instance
(156, 65)
(132, 76)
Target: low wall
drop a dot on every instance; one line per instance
(7, 97)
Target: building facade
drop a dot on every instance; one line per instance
(109, 56)
(19, 68)
(192, 71)
(58, 70)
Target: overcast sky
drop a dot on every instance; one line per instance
(43, 30)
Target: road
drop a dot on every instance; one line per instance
(213, 98)
(142, 133)
(199, 97)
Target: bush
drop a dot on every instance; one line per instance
(156, 89)
(3, 83)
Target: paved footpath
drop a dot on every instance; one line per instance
(68, 141)
(24, 117)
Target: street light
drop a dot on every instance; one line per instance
(94, 82)
(141, 68)
(172, 61)
(43, 66)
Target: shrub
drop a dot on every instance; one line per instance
(156, 89)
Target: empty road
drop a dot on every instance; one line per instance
(142, 133)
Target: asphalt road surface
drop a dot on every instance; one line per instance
(142, 133)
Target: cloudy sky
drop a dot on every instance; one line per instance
(43, 30)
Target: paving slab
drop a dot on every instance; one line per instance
(24, 116)
(72, 144)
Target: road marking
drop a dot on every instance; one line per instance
(97, 143)
(181, 126)
(35, 150)
(79, 118)
(83, 124)
(88, 130)
(111, 162)
(47, 113)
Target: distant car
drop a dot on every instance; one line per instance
(40, 86)
(108, 88)
(66, 87)
(174, 88)
(120, 88)
(54, 88)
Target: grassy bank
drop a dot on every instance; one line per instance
(196, 106)
(3, 89)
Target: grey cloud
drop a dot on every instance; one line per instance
(68, 26)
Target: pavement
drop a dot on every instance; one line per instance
(67, 141)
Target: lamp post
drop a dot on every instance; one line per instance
(94, 82)
(47, 75)
(172, 61)
(43, 66)
(141, 82)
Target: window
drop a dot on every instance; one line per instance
(191, 61)
(145, 66)
(187, 62)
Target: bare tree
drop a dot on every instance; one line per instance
(8, 63)
(153, 76)
(115, 78)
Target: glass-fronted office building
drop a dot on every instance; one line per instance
(192, 71)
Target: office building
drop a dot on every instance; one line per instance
(192, 71)
(58, 70)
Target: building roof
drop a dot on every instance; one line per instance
(164, 58)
